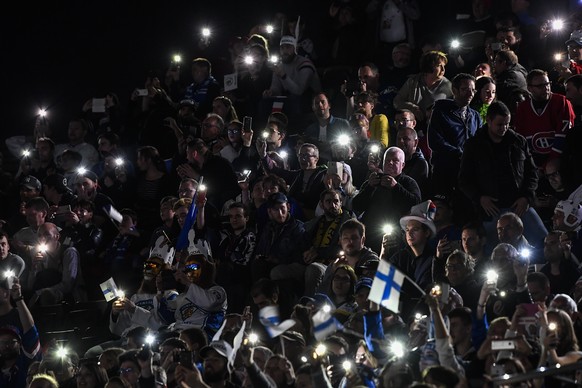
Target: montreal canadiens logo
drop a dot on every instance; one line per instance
(542, 142)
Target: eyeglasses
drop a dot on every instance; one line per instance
(544, 85)
(151, 264)
(233, 130)
(554, 174)
(306, 156)
(125, 370)
(191, 267)
(403, 121)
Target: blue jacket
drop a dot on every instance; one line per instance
(447, 133)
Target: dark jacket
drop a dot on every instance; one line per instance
(479, 173)
(381, 205)
(510, 80)
(280, 243)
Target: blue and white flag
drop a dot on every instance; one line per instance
(113, 213)
(324, 324)
(269, 317)
(183, 241)
(386, 286)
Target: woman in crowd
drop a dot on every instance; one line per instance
(484, 96)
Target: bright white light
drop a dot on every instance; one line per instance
(343, 140)
(320, 350)
(81, 170)
(249, 60)
(326, 308)
(341, 253)
(246, 172)
(119, 162)
(502, 294)
(9, 274)
(149, 339)
(26, 153)
(176, 58)
(558, 57)
(273, 59)
(206, 32)
(552, 326)
(269, 29)
(283, 154)
(42, 248)
(265, 134)
(253, 338)
(455, 44)
(347, 365)
(388, 229)
(557, 24)
(303, 359)
(492, 276)
(42, 112)
(525, 253)
(397, 349)
(505, 376)
(120, 294)
(202, 187)
(375, 148)
(62, 352)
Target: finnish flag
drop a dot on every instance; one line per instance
(324, 324)
(269, 317)
(386, 286)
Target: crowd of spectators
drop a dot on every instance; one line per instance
(223, 213)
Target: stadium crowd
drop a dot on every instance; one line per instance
(382, 210)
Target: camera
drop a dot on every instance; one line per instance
(247, 123)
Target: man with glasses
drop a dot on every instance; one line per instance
(307, 183)
(544, 119)
(415, 165)
(212, 129)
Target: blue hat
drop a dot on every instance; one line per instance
(276, 198)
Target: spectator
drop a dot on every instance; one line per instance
(421, 90)
(77, 133)
(204, 88)
(509, 75)
(386, 196)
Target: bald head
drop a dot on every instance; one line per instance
(407, 141)
(394, 161)
(48, 232)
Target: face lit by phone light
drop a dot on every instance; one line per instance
(193, 268)
(152, 267)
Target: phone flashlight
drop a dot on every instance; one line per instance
(206, 32)
(26, 153)
(42, 112)
(8, 274)
(42, 248)
(62, 352)
(557, 24)
(320, 350)
(150, 339)
(249, 60)
(436, 290)
(265, 134)
(273, 59)
(81, 170)
(176, 58)
(120, 294)
(269, 29)
(388, 229)
(525, 253)
(119, 161)
(347, 365)
(253, 338)
(283, 154)
(343, 140)
(455, 44)
(552, 326)
(492, 276)
(326, 308)
(397, 349)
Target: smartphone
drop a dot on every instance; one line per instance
(247, 123)
(142, 92)
(502, 345)
(63, 209)
(243, 176)
(184, 358)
